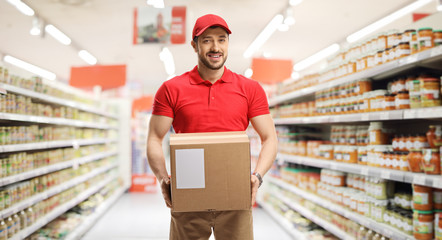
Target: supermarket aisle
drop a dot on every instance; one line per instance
(142, 216)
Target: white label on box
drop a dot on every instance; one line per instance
(189, 164)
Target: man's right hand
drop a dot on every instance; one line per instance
(165, 189)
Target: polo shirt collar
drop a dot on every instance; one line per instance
(196, 79)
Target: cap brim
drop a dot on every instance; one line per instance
(218, 25)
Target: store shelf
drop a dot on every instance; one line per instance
(381, 71)
(90, 221)
(53, 191)
(55, 167)
(56, 121)
(390, 174)
(55, 100)
(61, 209)
(285, 224)
(53, 144)
(381, 228)
(422, 113)
(314, 218)
(3, 91)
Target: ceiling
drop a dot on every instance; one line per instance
(104, 28)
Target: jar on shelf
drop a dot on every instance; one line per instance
(438, 225)
(371, 60)
(378, 59)
(378, 134)
(419, 142)
(389, 102)
(376, 99)
(362, 155)
(437, 199)
(425, 38)
(437, 39)
(415, 160)
(415, 94)
(423, 222)
(326, 152)
(406, 36)
(414, 44)
(430, 92)
(403, 50)
(431, 161)
(404, 165)
(402, 100)
(422, 198)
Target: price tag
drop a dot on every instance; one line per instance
(409, 114)
(385, 174)
(437, 183)
(436, 51)
(365, 117)
(385, 116)
(364, 171)
(75, 144)
(420, 180)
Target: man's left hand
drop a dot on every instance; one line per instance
(254, 182)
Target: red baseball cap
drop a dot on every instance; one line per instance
(206, 21)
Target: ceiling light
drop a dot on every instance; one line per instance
(295, 2)
(264, 35)
(289, 20)
(295, 75)
(29, 67)
(22, 7)
(316, 57)
(283, 27)
(167, 58)
(386, 20)
(37, 26)
(87, 57)
(156, 3)
(57, 34)
(248, 73)
(439, 5)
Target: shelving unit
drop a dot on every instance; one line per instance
(92, 219)
(50, 120)
(382, 71)
(54, 144)
(389, 174)
(106, 121)
(285, 224)
(381, 228)
(314, 218)
(53, 191)
(55, 167)
(61, 209)
(55, 100)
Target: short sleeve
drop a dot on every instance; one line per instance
(258, 104)
(162, 104)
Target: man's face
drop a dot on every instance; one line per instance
(212, 48)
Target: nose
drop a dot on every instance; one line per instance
(214, 47)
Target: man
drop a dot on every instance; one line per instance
(210, 98)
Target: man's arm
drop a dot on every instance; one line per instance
(265, 128)
(158, 127)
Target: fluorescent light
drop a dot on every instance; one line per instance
(248, 73)
(316, 57)
(87, 57)
(35, 31)
(439, 5)
(57, 34)
(167, 58)
(264, 35)
(295, 2)
(29, 67)
(156, 3)
(22, 7)
(386, 20)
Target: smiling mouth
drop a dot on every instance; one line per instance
(214, 55)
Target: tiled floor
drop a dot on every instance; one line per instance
(145, 217)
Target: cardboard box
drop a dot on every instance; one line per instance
(210, 171)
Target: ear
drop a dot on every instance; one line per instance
(194, 45)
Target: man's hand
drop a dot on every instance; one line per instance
(165, 189)
(254, 182)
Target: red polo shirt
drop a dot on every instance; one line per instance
(197, 105)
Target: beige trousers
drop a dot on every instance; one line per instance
(227, 225)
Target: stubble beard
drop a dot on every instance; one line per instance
(210, 65)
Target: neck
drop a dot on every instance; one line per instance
(208, 74)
